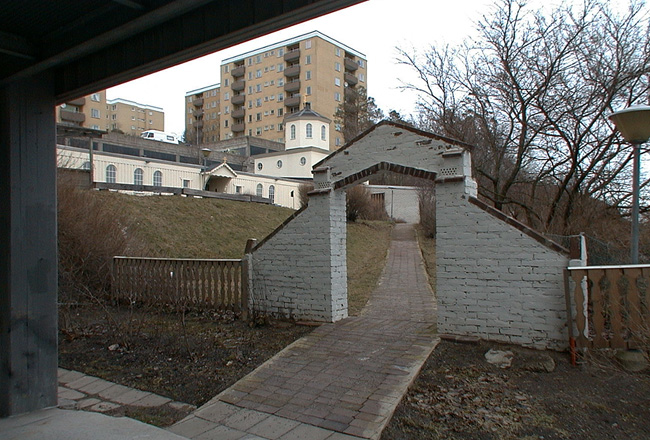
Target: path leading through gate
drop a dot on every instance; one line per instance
(343, 379)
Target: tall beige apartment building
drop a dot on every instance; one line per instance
(202, 115)
(95, 111)
(88, 111)
(133, 118)
(258, 88)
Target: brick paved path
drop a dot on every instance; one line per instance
(344, 379)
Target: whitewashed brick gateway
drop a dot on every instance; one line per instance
(496, 278)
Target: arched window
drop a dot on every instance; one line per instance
(157, 178)
(272, 193)
(259, 190)
(138, 177)
(308, 131)
(293, 131)
(111, 171)
(322, 132)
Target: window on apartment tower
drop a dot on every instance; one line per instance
(337, 66)
(226, 82)
(308, 90)
(337, 82)
(308, 44)
(308, 59)
(95, 97)
(308, 75)
(94, 113)
(337, 51)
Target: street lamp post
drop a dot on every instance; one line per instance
(634, 125)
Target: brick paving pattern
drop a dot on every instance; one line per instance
(343, 380)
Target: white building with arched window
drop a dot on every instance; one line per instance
(306, 143)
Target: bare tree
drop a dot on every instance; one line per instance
(533, 94)
(356, 113)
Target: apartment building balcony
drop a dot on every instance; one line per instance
(238, 85)
(197, 102)
(238, 128)
(293, 101)
(198, 124)
(238, 99)
(239, 113)
(292, 86)
(69, 116)
(197, 112)
(350, 79)
(350, 64)
(78, 102)
(293, 55)
(238, 72)
(292, 72)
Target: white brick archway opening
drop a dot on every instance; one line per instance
(496, 278)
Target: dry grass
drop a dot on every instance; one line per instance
(367, 245)
(183, 227)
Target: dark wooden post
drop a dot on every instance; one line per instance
(28, 246)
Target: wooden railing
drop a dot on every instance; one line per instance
(610, 306)
(214, 284)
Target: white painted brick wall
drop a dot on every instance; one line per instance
(494, 281)
(301, 272)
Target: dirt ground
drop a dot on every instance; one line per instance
(189, 359)
(459, 395)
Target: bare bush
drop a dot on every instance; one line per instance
(360, 205)
(303, 193)
(90, 234)
(427, 205)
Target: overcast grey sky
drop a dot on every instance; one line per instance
(374, 28)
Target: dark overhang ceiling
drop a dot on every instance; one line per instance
(93, 44)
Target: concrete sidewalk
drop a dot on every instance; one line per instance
(342, 380)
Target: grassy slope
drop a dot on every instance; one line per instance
(181, 227)
(367, 244)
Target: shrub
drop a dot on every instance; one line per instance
(303, 193)
(427, 204)
(360, 205)
(89, 235)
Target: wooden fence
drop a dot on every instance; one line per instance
(209, 283)
(610, 306)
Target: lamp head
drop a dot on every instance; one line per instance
(633, 123)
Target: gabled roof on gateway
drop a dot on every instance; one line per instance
(401, 127)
